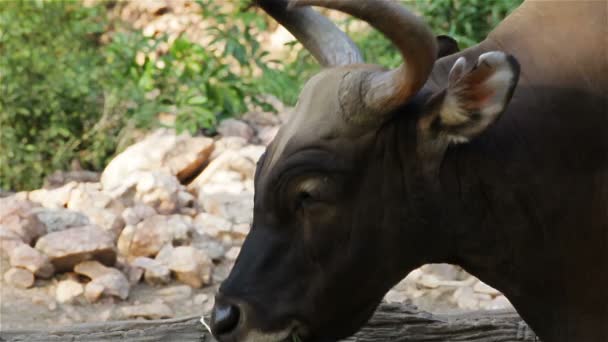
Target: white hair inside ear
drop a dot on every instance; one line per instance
(475, 98)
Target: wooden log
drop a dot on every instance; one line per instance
(391, 322)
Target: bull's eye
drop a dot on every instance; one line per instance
(303, 199)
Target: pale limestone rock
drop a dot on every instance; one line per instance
(200, 298)
(69, 247)
(89, 195)
(429, 280)
(481, 287)
(93, 291)
(25, 256)
(155, 272)
(257, 118)
(163, 150)
(68, 290)
(236, 208)
(181, 228)
(191, 266)
(267, 134)
(137, 213)
(466, 298)
(252, 152)
(19, 277)
(155, 310)
(393, 296)
(104, 280)
(499, 303)
(212, 225)
(233, 253)
(107, 220)
(56, 198)
(145, 239)
(235, 128)
(224, 144)
(60, 219)
(213, 248)
(174, 293)
(17, 216)
(9, 240)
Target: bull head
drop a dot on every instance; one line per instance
(347, 196)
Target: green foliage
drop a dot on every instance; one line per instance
(49, 94)
(67, 94)
(467, 21)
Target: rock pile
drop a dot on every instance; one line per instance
(171, 208)
(153, 216)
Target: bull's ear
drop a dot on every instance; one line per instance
(474, 98)
(446, 46)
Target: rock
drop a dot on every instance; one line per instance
(181, 228)
(104, 280)
(393, 296)
(233, 253)
(155, 272)
(191, 266)
(31, 259)
(221, 163)
(92, 269)
(174, 293)
(481, 287)
(224, 144)
(429, 280)
(137, 213)
(155, 310)
(17, 217)
(213, 248)
(9, 240)
(444, 271)
(106, 220)
(60, 178)
(217, 187)
(67, 290)
(188, 158)
(185, 199)
(60, 219)
(244, 166)
(200, 298)
(252, 152)
(212, 225)
(267, 134)
(235, 128)
(93, 291)
(56, 198)
(236, 208)
(258, 119)
(163, 150)
(145, 239)
(499, 303)
(466, 298)
(89, 195)
(158, 190)
(69, 247)
(19, 277)
(134, 275)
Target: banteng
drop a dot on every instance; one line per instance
(494, 158)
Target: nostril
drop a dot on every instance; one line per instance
(224, 318)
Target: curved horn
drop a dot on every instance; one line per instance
(327, 43)
(388, 89)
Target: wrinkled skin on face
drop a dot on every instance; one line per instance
(320, 193)
(343, 209)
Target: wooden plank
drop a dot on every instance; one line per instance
(392, 322)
